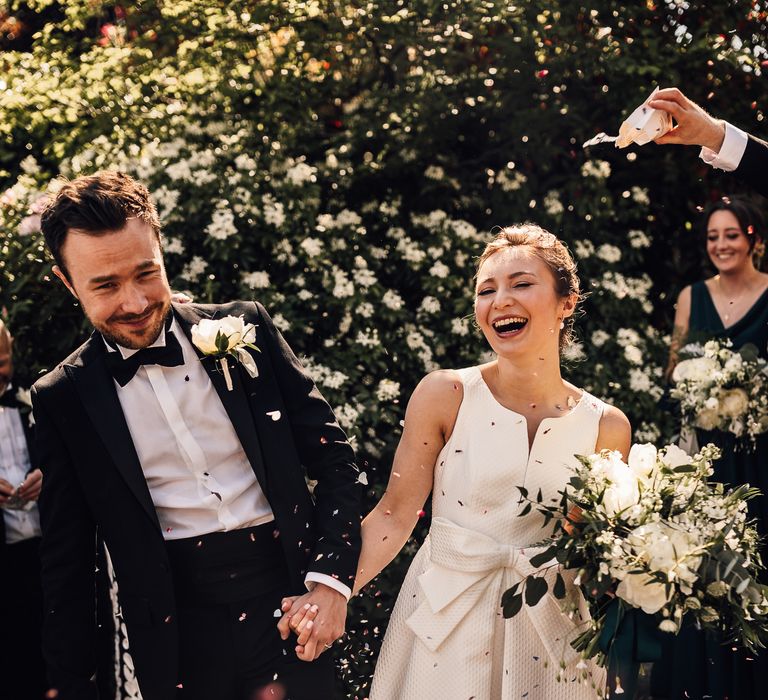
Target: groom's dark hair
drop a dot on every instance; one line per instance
(96, 204)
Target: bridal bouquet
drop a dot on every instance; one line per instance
(719, 388)
(655, 540)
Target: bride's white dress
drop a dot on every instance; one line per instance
(447, 638)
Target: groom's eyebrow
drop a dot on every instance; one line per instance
(109, 278)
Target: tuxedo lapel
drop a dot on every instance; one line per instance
(236, 401)
(96, 388)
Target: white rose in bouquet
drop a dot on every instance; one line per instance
(672, 456)
(667, 550)
(697, 369)
(707, 419)
(734, 402)
(623, 490)
(642, 460)
(641, 591)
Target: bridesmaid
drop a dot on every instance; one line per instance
(732, 304)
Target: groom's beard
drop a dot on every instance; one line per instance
(150, 323)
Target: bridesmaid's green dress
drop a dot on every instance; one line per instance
(695, 664)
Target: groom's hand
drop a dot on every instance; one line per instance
(326, 627)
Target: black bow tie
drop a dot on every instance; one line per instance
(168, 355)
(8, 399)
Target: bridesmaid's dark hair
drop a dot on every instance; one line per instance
(552, 251)
(747, 214)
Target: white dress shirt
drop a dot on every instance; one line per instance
(731, 152)
(21, 524)
(198, 474)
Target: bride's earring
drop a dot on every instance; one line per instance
(562, 324)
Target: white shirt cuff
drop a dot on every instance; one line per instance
(731, 152)
(313, 578)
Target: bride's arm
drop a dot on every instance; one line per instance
(615, 432)
(429, 421)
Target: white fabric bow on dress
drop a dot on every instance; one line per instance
(466, 566)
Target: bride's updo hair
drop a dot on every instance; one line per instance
(552, 252)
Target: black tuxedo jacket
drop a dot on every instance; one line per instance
(93, 482)
(753, 168)
(31, 448)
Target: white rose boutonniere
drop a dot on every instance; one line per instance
(223, 337)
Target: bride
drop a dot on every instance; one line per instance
(471, 437)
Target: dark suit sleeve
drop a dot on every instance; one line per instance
(327, 456)
(67, 554)
(753, 168)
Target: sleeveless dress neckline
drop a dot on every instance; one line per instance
(744, 319)
(532, 444)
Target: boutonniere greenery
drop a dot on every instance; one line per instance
(227, 337)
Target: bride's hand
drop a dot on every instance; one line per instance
(574, 515)
(301, 621)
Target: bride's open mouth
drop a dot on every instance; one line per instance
(509, 326)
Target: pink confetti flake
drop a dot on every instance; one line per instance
(242, 617)
(420, 513)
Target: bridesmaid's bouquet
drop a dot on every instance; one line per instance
(720, 388)
(651, 540)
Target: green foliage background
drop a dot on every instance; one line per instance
(343, 162)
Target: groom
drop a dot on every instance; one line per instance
(198, 490)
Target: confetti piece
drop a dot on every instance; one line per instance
(362, 478)
(242, 617)
(277, 613)
(275, 415)
(420, 513)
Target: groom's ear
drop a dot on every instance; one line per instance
(63, 277)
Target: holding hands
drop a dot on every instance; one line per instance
(317, 618)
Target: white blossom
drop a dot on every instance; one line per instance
(599, 169)
(387, 390)
(440, 270)
(274, 212)
(300, 174)
(599, 338)
(222, 224)
(639, 239)
(429, 305)
(256, 280)
(510, 183)
(434, 172)
(193, 269)
(552, 204)
(392, 300)
(460, 326)
(312, 246)
(173, 246)
(609, 253)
